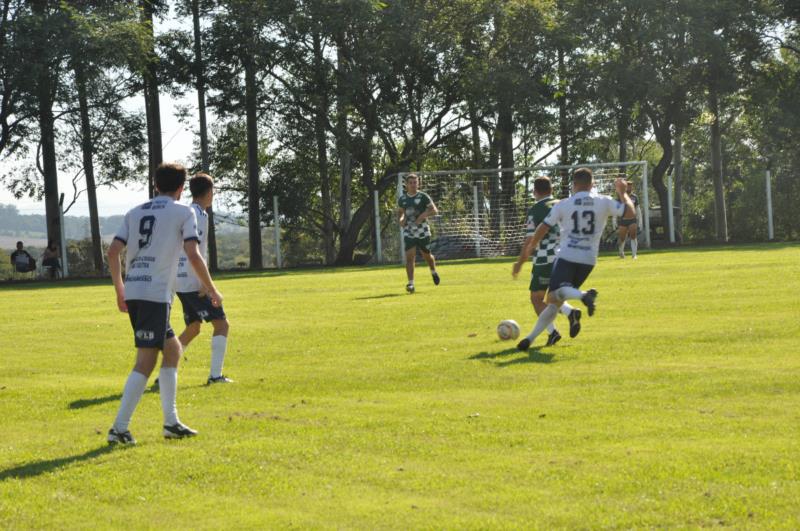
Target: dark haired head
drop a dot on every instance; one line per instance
(20, 245)
(200, 184)
(170, 176)
(542, 185)
(582, 177)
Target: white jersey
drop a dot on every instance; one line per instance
(154, 234)
(187, 280)
(582, 219)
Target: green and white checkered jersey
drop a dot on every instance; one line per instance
(414, 206)
(548, 248)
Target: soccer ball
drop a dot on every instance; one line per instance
(508, 329)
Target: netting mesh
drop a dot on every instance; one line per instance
(482, 213)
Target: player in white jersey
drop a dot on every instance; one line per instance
(154, 234)
(197, 306)
(582, 218)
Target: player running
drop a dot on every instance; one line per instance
(154, 234)
(629, 228)
(582, 218)
(544, 257)
(414, 208)
(197, 305)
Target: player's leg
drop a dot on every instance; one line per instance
(132, 394)
(424, 248)
(219, 345)
(411, 257)
(632, 234)
(540, 277)
(622, 233)
(562, 270)
(168, 389)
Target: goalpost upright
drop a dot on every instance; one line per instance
(476, 201)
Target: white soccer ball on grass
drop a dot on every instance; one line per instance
(508, 329)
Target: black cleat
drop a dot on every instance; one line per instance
(154, 387)
(588, 299)
(524, 344)
(218, 380)
(178, 431)
(574, 322)
(410, 288)
(436, 278)
(553, 338)
(117, 437)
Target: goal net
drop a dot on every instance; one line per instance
(482, 212)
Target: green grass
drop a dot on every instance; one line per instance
(359, 406)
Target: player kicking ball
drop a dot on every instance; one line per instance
(197, 305)
(154, 233)
(582, 218)
(414, 209)
(544, 257)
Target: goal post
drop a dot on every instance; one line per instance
(481, 211)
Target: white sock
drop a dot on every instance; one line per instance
(566, 293)
(634, 246)
(131, 394)
(218, 346)
(566, 309)
(168, 389)
(551, 328)
(547, 317)
(622, 246)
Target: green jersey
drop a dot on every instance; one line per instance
(546, 252)
(414, 206)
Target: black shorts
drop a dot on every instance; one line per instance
(197, 308)
(566, 273)
(627, 222)
(150, 322)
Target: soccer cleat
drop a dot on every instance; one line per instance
(218, 380)
(436, 278)
(154, 387)
(410, 288)
(524, 344)
(120, 437)
(622, 254)
(588, 299)
(178, 431)
(574, 322)
(553, 338)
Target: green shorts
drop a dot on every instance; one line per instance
(423, 244)
(540, 277)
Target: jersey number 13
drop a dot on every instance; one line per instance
(587, 217)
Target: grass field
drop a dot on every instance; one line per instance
(356, 405)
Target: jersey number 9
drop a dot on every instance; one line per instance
(146, 229)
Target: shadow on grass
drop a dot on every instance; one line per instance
(535, 355)
(384, 296)
(37, 468)
(88, 402)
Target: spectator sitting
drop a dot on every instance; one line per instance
(50, 259)
(22, 261)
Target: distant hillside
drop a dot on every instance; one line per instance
(14, 225)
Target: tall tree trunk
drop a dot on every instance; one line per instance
(505, 138)
(320, 133)
(253, 197)
(677, 202)
(477, 156)
(151, 103)
(563, 131)
(45, 91)
(720, 217)
(343, 143)
(87, 146)
(663, 132)
(200, 83)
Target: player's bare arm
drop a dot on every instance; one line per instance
(531, 243)
(622, 191)
(401, 217)
(199, 265)
(114, 251)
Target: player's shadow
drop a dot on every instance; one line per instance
(89, 402)
(534, 356)
(384, 296)
(37, 468)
